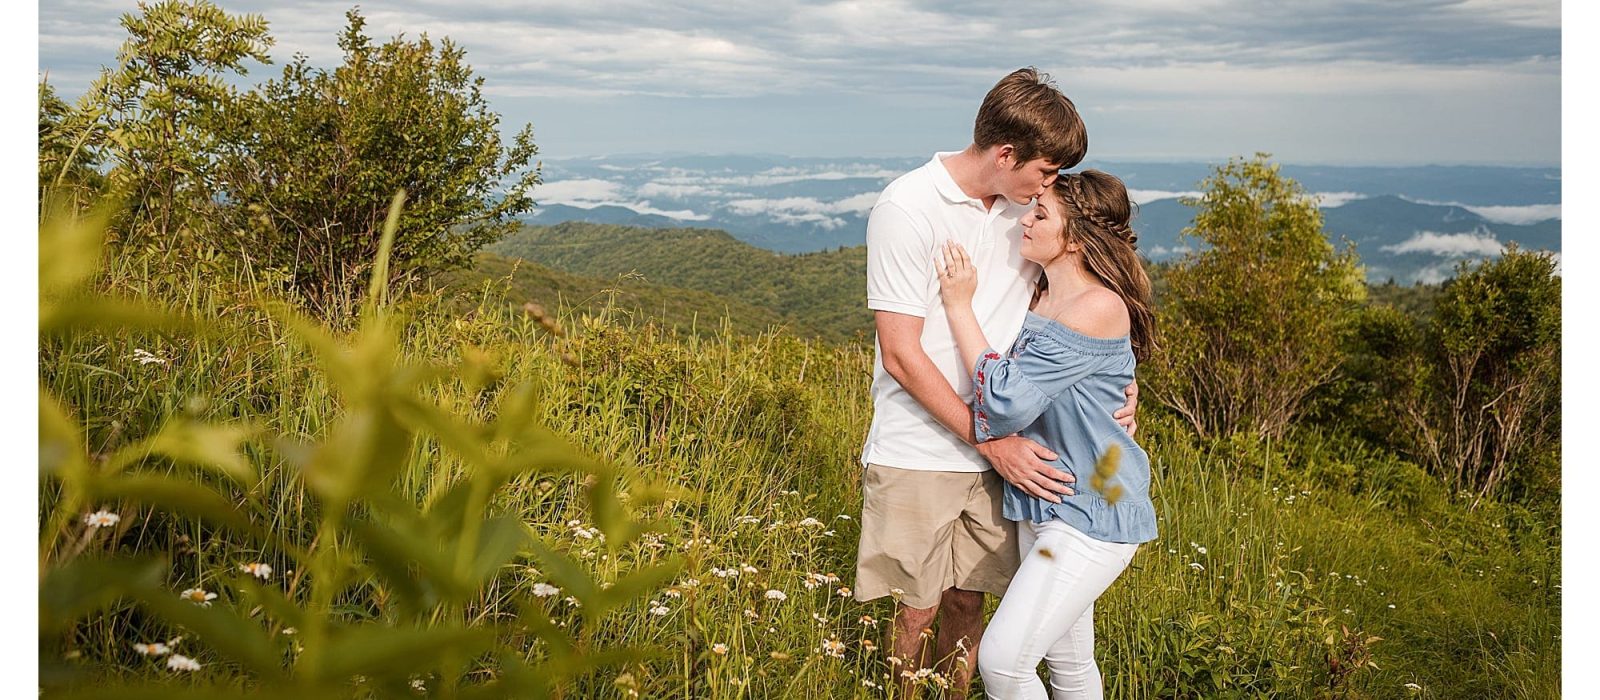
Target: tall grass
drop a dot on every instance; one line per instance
(1310, 568)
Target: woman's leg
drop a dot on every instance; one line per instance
(1073, 672)
(1045, 611)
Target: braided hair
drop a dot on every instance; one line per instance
(1096, 211)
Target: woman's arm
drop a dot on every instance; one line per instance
(957, 283)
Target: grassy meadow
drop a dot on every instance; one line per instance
(1313, 567)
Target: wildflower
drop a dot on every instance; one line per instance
(775, 594)
(145, 357)
(747, 520)
(101, 518)
(418, 685)
(179, 662)
(1197, 566)
(672, 593)
(869, 621)
(690, 583)
(845, 592)
(1201, 550)
(834, 648)
(289, 631)
(198, 596)
(545, 590)
(747, 568)
(152, 649)
(724, 573)
(842, 516)
(869, 645)
(819, 618)
(810, 522)
(719, 649)
(257, 569)
(1413, 686)
(750, 613)
(572, 601)
(660, 610)
(868, 684)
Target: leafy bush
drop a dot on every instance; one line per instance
(1251, 323)
(1483, 398)
(308, 163)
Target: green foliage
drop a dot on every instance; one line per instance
(160, 110)
(1251, 324)
(67, 159)
(816, 293)
(311, 158)
(372, 587)
(1482, 400)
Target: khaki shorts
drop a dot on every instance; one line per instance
(924, 531)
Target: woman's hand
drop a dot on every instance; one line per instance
(959, 279)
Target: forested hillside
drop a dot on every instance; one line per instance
(623, 297)
(825, 291)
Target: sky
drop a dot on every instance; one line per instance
(1350, 82)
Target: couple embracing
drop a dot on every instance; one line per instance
(1011, 310)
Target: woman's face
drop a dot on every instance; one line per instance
(1042, 229)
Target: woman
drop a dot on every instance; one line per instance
(1064, 376)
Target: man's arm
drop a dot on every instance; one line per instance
(1017, 459)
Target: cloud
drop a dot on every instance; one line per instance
(1506, 214)
(1449, 245)
(674, 191)
(590, 193)
(1528, 214)
(1240, 73)
(1143, 197)
(1434, 274)
(577, 192)
(1330, 200)
(1163, 251)
(856, 204)
(781, 176)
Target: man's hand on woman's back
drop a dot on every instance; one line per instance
(1124, 415)
(1021, 462)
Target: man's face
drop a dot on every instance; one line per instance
(1030, 181)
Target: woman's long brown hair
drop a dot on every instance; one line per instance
(1096, 211)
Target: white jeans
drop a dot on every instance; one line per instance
(1048, 613)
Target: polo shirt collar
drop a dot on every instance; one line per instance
(947, 185)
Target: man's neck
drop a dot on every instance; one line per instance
(968, 169)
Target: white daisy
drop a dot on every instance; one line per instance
(198, 596)
(101, 518)
(179, 662)
(257, 569)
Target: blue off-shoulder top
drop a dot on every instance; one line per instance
(1059, 388)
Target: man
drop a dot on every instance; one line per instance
(932, 534)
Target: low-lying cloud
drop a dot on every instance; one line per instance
(1479, 243)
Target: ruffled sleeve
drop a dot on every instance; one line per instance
(1010, 392)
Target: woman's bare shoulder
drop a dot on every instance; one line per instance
(1099, 313)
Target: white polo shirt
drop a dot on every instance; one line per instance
(912, 219)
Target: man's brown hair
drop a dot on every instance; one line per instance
(1026, 110)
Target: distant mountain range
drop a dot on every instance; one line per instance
(1408, 224)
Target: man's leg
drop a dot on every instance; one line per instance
(960, 628)
(909, 642)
